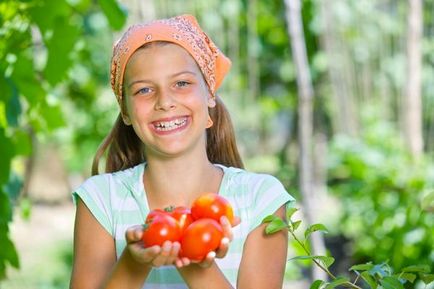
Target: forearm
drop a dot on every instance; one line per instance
(198, 277)
(127, 273)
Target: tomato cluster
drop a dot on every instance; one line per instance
(197, 229)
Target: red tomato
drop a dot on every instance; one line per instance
(160, 228)
(200, 238)
(182, 215)
(154, 213)
(212, 206)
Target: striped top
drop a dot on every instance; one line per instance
(118, 201)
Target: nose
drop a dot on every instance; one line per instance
(165, 101)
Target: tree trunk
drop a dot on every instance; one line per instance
(252, 51)
(412, 108)
(340, 73)
(233, 43)
(305, 123)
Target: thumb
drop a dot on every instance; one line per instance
(134, 234)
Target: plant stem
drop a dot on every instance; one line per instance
(347, 284)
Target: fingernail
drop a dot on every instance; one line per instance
(224, 220)
(167, 245)
(212, 254)
(225, 241)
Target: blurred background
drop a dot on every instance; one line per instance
(333, 97)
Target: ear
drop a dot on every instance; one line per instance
(124, 113)
(126, 119)
(211, 101)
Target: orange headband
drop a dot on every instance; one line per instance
(182, 30)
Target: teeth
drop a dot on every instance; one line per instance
(169, 125)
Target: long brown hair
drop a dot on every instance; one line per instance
(126, 150)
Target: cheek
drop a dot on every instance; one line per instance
(136, 109)
(201, 97)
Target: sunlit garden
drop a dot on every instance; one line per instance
(334, 98)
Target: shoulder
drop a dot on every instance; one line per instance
(106, 195)
(107, 182)
(254, 195)
(251, 181)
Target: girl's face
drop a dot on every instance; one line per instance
(166, 100)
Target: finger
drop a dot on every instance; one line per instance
(185, 261)
(134, 234)
(151, 252)
(236, 221)
(227, 228)
(209, 259)
(173, 253)
(223, 248)
(144, 255)
(178, 263)
(182, 262)
(161, 259)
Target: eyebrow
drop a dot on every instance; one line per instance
(173, 75)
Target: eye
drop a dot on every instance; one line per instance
(143, 90)
(182, 83)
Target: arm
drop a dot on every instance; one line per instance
(264, 258)
(95, 257)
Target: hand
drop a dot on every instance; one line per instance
(228, 235)
(154, 256)
(221, 251)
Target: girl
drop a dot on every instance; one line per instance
(172, 142)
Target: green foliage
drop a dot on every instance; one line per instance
(116, 16)
(39, 45)
(383, 193)
(381, 276)
(8, 254)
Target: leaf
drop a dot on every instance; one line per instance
(3, 121)
(416, 268)
(5, 210)
(275, 225)
(426, 278)
(317, 284)
(13, 186)
(53, 116)
(407, 276)
(427, 202)
(314, 228)
(380, 270)
(44, 13)
(115, 15)
(13, 108)
(362, 267)
(269, 219)
(7, 152)
(23, 77)
(8, 252)
(59, 47)
(290, 212)
(26, 208)
(295, 225)
(338, 281)
(22, 143)
(369, 279)
(390, 282)
(325, 260)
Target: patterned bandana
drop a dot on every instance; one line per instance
(182, 30)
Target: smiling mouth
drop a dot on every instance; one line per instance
(170, 125)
